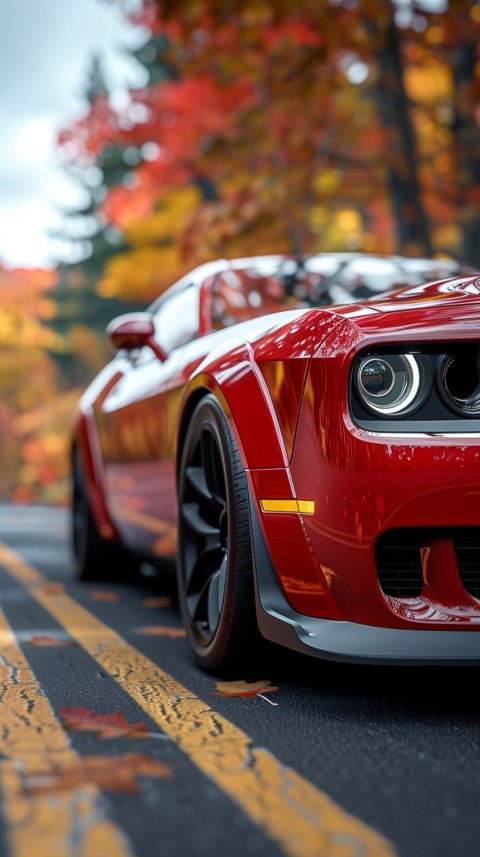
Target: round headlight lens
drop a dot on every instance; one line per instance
(391, 384)
(460, 384)
(376, 377)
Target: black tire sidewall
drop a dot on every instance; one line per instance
(209, 414)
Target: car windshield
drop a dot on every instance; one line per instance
(270, 284)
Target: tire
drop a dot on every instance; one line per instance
(95, 558)
(214, 562)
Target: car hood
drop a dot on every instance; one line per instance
(434, 311)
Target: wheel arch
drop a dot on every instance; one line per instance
(235, 380)
(84, 441)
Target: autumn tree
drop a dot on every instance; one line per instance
(145, 238)
(33, 460)
(292, 127)
(459, 50)
(370, 138)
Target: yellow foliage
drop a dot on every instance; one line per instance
(155, 260)
(435, 35)
(33, 434)
(349, 220)
(86, 344)
(317, 218)
(49, 417)
(475, 14)
(142, 273)
(327, 180)
(429, 82)
(449, 236)
(40, 469)
(167, 220)
(27, 474)
(7, 328)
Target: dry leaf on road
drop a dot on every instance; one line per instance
(47, 640)
(53, 588)
(246, 689)
(103, 595)
(116, 774)
(161, 631)
(158, 601)
(105, 725)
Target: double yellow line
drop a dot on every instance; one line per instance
(302, 820)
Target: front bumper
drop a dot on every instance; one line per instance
(350, 642)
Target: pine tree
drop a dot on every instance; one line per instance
(82, 314)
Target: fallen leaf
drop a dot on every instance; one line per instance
(45, 640)
(116, 774)
(105, 725)
(103, 595)
(161, 631)
(246, 689)
(53, 588)
(158, 601)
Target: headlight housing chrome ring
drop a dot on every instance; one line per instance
(392, 384)
(458, 380)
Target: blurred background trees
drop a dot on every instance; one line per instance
(290, 127)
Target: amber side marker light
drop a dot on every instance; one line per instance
(299, 507)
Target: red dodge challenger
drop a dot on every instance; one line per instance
(300, 439)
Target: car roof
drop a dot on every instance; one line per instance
(373, 268)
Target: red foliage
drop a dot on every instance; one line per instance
(106, 725)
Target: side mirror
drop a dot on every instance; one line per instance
(134, 330)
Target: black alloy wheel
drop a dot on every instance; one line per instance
(215, 566)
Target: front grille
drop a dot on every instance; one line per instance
(399, 568)
(399, 565)
(467, 548)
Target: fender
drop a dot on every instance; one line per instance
(232, 375)
(241, 374)
(235, 379)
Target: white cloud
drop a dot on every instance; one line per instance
(45, 53)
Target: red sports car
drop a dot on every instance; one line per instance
(300, 438)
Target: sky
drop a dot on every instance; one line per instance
(46, 48)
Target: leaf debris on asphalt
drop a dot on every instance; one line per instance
(105, 725)
(246, 689)
(116, 774)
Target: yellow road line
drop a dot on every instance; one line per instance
(299, 817)
(32, 742)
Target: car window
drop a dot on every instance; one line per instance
(176, 318)
(249, 293)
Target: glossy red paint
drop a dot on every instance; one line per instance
(283, 382)
(86, 446)
(368, 483)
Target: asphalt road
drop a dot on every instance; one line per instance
(113, 743)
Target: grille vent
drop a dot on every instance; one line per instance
(399, 566)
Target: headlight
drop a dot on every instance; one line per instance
(459, 383)
(389, 384)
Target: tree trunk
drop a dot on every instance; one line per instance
(466, 147)
(411, 219)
